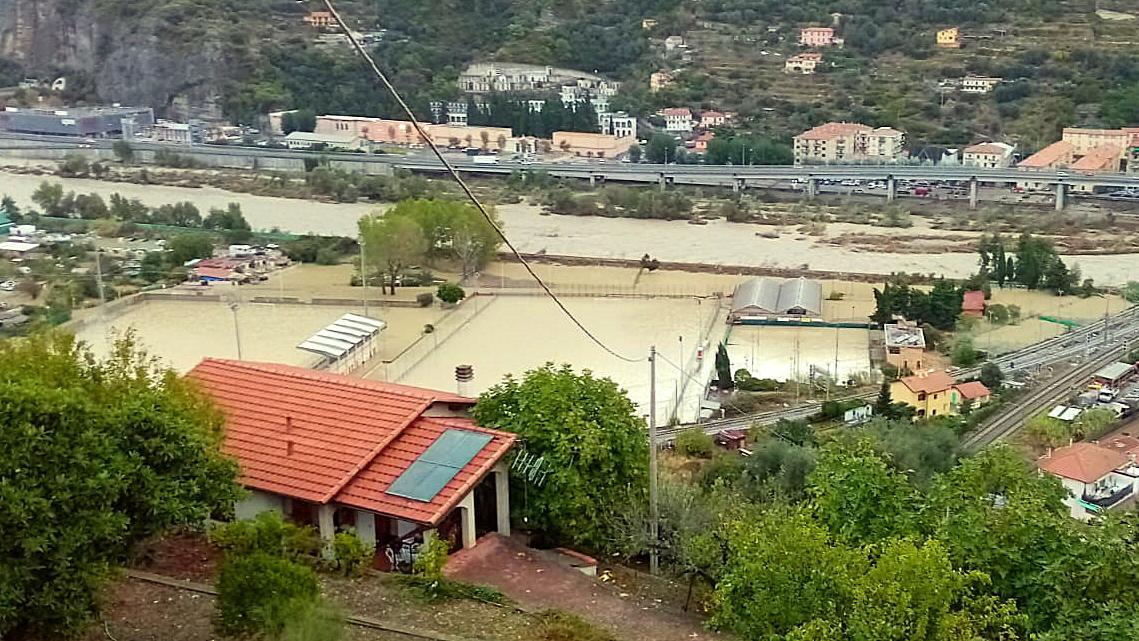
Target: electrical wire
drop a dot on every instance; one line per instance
(462, 184)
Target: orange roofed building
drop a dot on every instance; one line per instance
(1097, 478)
(397, 464)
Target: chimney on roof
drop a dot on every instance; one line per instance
(288, 423)
(288, 447)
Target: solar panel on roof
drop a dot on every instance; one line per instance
(431, 472)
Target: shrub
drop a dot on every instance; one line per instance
(257, 593)
(556, 625)
(267, 533)
(450, 293)
(431, 559)
(350, 556)
(327, 256)
(312, 622)
(425, 299)
(694, 442)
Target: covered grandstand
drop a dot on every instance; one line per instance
(765, 298)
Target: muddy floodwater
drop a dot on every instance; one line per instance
(182, 333)
(512, 334)
(793, 353)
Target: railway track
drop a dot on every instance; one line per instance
(1009, 421)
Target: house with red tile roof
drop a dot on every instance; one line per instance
(973, 304)
(930, 393)
(1097, 478)
(973, 391)
(398, 464)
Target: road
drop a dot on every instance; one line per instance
(1121, 329)
(706, 175)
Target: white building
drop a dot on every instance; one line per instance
(672, 42)
(989, 155)
(979, 84)
(618, 124)
(341, 142)
(172, 132)
(1097, 478)
(804, 63)
(485, 77)
(677, 120)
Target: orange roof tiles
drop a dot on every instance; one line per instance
(986, 148)
(676, 111)
(1085, 462)
(1102, 158)
(973, 302)
(973, 390)
(1057, 152)
(1125, 443)
(931, 383)
(312, 435)
(832, 130)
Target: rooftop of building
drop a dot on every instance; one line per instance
(832, 130)
(973, 301)
(904, 335)
(808, 55)
(77, 112)
(1049, 156)
(1084, 462)
(819, 29)
(973, 390)
(1101, 158)
(507, 68)
(676, 111)
(323, 438)
(998, 148)
(1114, 371)
(929, 383)
(776, 296)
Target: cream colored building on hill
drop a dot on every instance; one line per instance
(591, 145)
(838, 142)
(990, 155)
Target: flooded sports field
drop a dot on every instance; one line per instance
(181, 333)
(790, 353)
(513, 334)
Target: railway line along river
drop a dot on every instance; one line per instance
(717, 243)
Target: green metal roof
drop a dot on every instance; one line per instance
(431, 472)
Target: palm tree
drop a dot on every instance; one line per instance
(485, 138)
(501, 141)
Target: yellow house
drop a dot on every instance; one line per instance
(949, 38)
(932, 394)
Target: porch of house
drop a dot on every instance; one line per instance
(485, 509)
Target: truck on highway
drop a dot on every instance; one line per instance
(485, 160)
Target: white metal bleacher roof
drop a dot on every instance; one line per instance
(342, 336)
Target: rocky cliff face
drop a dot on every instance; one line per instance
(139, 52)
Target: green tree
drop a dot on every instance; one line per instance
(723, 368)
(123, 151)
(393, 243)
(49, 197)
(920, 451)
(991, 376)
(661, 149)
(635, 153)
(299, 120)
(186, 247)
(1131, 292)
(962, 352)
(9, 208)
(98, 456)
(695, 443)
(91, 206)
(591, 438)
(450, 293)
(228, 218)
(858, 495)
(257, 592)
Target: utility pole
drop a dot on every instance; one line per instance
(236, 329)
(363, 276)
(654, 516)
(99, 276)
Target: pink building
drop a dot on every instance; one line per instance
(816, 37)
(713, 119)
(401, 132)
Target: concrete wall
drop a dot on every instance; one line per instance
(258, 502)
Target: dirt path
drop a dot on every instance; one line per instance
(535, 581)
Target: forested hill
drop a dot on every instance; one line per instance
(1064, 62)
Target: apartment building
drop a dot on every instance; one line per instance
(979, 84)
(816, 36)
(485, 77)
(837, 142)
(619, 124)
(949, 38)
(677, 120)
(990, 155)
(319, 20)
(804, 63)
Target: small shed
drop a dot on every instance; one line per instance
(733, 440)
(1114, 374)
(973, 304)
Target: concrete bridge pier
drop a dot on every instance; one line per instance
(812, 187)
(595, 179)
(738, 185)
(891, 189)
(1061, 196)
(662, 181)
(974, 192)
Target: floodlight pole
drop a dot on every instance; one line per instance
(363, 275)
(654, 517)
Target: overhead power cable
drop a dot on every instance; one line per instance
(462, 184)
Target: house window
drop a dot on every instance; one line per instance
(921, 396)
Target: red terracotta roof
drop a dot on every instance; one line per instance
(1056, 153)
(931, 383)
(214, 272)
(310, 435)
(973, 302)
(1085, 462)
(1124, 443)
(832, 130)
(676, 111)
(973, 390)
(1102, 158)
